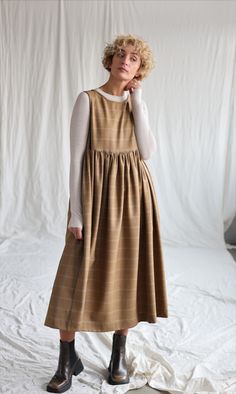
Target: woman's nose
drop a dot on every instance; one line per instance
(125, 59)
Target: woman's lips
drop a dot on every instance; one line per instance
(123, 69)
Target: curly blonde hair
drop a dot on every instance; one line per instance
(141, 47)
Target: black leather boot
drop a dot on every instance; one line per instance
(118, 373)
(69, 364)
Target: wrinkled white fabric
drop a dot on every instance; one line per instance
(78, 137)
(50, 51)
(191, 352)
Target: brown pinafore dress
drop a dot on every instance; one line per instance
(114, 277)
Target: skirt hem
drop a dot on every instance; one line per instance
(92, 327)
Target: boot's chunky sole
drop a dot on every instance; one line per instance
(111, 381)
(76, 370)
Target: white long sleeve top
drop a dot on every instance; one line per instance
(79, 129)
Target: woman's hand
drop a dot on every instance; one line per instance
(76, 231)
(132, 85)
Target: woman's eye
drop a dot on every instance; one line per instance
(121, 54)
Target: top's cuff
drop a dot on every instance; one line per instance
(136, 96)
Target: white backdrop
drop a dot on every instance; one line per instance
(50, 52)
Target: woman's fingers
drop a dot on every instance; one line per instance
(77, 232)
(133, 84)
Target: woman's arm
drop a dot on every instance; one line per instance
(78, 137)
(145, 139)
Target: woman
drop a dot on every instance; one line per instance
(111, 272)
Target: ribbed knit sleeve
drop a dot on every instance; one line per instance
(78, 137)
(145, 139)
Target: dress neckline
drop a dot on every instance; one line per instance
(111, 97)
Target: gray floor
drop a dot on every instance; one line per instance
(148, 390)
(233, 252)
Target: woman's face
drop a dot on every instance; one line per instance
(125, 63)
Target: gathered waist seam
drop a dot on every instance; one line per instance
(114, 153)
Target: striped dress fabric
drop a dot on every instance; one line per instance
(114, 277)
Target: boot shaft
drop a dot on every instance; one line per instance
(118, 373)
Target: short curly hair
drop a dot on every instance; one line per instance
(141, 47)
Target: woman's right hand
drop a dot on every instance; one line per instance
(76, 231)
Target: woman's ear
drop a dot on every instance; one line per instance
(110, 61)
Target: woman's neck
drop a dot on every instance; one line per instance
(113, 89)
